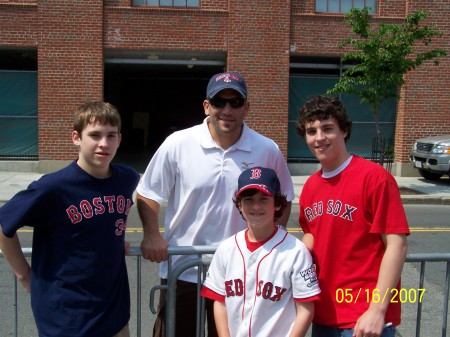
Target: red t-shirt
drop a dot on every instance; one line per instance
(346, 215)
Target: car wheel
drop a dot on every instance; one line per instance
(430, 175)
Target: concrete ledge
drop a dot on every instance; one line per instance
(48, 166)
(19, 166)
(303, 169)
(41, 166)
(425, 200)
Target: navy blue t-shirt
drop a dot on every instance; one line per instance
(79, 284)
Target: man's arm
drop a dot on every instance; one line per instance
(12, 251)
(153, 245)
(221, 319)
(372, 321)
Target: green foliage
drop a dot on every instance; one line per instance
(383, 56)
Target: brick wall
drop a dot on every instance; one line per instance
(258, 37)
(70, 69)
(258, 47)
(18, 24)
(424, 109)
(165, 29)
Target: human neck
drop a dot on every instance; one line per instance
(224, 140)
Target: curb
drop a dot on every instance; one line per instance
(425, 200)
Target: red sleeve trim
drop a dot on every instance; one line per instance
(307, 299)
(212, 295)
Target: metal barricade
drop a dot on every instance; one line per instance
(134, 252)
(203, 263)
(433, 257)
(200, 261)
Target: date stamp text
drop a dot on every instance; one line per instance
(392, 295)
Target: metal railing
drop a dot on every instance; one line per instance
(203, 262)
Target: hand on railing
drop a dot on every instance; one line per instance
(154, 248)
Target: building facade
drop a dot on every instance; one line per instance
(152, 59)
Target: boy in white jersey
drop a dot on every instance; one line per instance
(262, 279)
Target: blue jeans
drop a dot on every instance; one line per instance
(324, 331)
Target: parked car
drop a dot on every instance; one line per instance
(431, 156)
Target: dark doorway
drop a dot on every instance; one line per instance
(154, 101)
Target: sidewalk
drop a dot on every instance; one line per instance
(414, 190)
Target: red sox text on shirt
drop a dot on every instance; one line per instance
(335, 208)
(99, 205)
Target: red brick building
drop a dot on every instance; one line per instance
(152, 59)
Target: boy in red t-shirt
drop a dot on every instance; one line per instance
(355, 226)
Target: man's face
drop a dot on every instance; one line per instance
(225, 122)
(326, 141)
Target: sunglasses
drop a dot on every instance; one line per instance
(220, 102)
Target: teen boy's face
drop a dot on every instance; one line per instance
(326, 141)
(98, 144)
(259, 211)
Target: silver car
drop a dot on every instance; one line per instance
(431, 156)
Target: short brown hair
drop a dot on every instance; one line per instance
(96, 112)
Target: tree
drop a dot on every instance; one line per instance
(383, 56)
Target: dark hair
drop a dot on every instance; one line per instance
(96, 112)
(279, 200)
(320, 108)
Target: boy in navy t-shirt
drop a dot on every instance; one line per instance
(78, 278)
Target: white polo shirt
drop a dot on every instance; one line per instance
(198, 179)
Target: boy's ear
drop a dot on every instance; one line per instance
(76, 138)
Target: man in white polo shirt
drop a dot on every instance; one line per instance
(196, 171)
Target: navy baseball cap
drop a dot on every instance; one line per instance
(259, 178)
(228, 80)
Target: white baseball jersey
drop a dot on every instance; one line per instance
(260, 287)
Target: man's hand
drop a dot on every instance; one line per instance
(153, 245)
(154, 248)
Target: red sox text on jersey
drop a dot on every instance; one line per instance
(265, 289)
(335, 208)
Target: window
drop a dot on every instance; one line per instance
(167, 3)
(343, 6)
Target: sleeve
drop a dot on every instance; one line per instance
(160, 174)
(26, 208)
(287, 186)
(388, 214)
(307, 299)
(208, 293)
(215, 278)
(305, 283)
